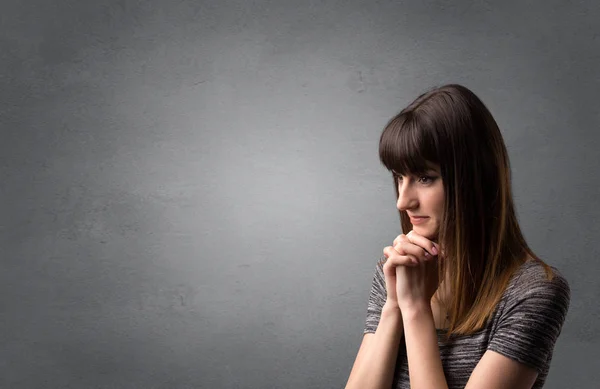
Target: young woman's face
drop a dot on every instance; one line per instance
(422, 197)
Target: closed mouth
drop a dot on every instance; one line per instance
(418, 219)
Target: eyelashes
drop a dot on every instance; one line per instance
(423, 179)
(430, 179)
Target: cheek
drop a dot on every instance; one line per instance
(439, 204)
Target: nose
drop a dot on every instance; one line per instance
(407, 198)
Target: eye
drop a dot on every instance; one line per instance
(396, 176)
(426, 179)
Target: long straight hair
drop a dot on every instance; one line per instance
(479, 235)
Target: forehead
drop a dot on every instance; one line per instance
(407, 148)
(428, 167)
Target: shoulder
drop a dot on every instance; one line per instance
(537, 296)
(536, 280)
(531, 314)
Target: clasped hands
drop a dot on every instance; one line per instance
(411, 272)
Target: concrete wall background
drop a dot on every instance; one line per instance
(191, 195)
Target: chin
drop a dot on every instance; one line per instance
(429, 233)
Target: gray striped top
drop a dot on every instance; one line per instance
(524, 327)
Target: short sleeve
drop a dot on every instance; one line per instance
(377, 298)
(531, 319)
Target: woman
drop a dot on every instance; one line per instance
(459, 300)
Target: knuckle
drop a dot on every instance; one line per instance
(387, 252)
(400, 248)
(388, 266)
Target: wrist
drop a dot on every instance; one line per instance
(416, 311)
(391, 318)
(391, 308)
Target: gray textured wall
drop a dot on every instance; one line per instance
(190, 191)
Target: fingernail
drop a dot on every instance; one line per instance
(434, 251)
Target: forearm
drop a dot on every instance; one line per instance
(375, 368)
(424, 362)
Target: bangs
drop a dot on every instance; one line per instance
(406, 147)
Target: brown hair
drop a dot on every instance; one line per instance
(479, 234)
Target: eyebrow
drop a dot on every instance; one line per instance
(430, 169)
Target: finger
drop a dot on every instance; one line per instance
(409, 248)
(396, 259)
(405, 247)
(403, 260)
(399, 238)
(419, 240)
(389, 251)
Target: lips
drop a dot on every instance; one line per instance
(418, 219)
